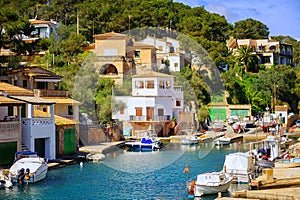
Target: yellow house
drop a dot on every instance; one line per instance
(118, 55)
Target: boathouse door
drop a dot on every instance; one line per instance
(39, 146)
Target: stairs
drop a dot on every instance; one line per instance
(24, 148)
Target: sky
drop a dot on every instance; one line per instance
(281, 17)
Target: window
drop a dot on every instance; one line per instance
(168, 84)
(160, 111)
(150, 84)
(139, 84)
(177, 103)
(175, 64)
(138, 111)
(70, 110)
(137, 54)
(45, 109)
(24, 83)
(42, 85)
(10, 111)
(160, 47)
(121, 111)
(161, 85)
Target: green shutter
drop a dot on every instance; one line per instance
(7, 152)
(240, 113)
(69, 141)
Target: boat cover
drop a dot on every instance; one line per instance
(238, 163)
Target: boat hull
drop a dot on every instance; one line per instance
(203, 189)
(38, 169)
(222, 141)
(141, 146)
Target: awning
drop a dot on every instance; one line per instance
(33, 100)
(46, 80)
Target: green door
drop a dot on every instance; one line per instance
(39, 146)
(217, 114)
(240, 113)
(69, 141)
(7, 152)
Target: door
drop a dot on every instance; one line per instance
(39, 146)
(69, 141)
(217, 114)
(149, 113)
(7, 152)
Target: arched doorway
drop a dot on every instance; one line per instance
(108, 69)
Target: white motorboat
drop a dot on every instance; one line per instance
(190, 140)
(28, 169)
(210, 183)
(222, 141)
(148, 142)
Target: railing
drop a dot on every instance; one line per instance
(154, 118)
(9, 130)
(51, 93)
(43, 121)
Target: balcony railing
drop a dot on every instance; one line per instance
(154, 118)
(9, 130)
(41, 121)
(51, 93)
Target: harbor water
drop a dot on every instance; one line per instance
(129, 175)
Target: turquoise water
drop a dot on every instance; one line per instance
(129, 175)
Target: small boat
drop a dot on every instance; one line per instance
(190, 140)
(222, 141)
(147, 142)
(210, 183)
(28, 169)
(288, 163)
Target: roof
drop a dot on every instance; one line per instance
(37, 21)
(33, 99)
(35, 72)
(12, 90)
(151, 74)
(62, 100)
(9, 101)
(143, 45)
(58, 119)
(110, 35)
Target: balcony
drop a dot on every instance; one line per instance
(51, 93)
(37, 121)
(145, 118)
(9, 130)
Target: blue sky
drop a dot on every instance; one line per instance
(282, 17)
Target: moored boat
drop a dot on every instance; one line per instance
(210, 183)
(190, 140)
(288, 163)
(222, 141)
(147, 142)
(29, 169)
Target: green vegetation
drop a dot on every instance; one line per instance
(245, 82)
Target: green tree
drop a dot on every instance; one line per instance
(246, 56)
(250, 28)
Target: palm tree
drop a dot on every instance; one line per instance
(245, 55)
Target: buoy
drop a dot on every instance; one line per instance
(81, 164)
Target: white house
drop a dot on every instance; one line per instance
(167, 53)
(36, 133)
(154, 103)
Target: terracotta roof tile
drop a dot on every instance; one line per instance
(14, 90)
(58, 119)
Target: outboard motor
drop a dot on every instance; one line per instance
(21, 175)
(27, 176)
